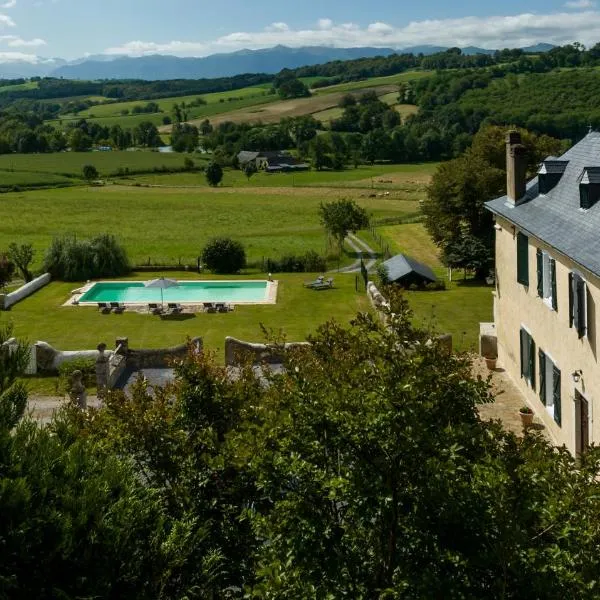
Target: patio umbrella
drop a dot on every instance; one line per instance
(163, 283)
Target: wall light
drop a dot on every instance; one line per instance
(576, 375)
(497, 227)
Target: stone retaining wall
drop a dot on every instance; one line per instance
(237, 351)
(8, 300)
(49, 359)
(157, 359)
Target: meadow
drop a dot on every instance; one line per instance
(171, 225)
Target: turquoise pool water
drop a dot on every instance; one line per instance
(130, 292)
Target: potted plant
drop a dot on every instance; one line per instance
(526, 416)
(490, 361)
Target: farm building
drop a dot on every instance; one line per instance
(271, 162)
(406, 271)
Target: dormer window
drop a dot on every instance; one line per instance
(549, 174)
(589, 187)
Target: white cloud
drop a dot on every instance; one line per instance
(9, 4)
(11, 57)
(580, 4)
(15, 41)
(487, 32)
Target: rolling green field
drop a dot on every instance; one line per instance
(29, 85)
(167, 225)
(298, 312)
(20, 169)
(374, 81)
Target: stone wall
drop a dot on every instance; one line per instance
(237, 351)
(8, 300)
(157, 359)
(49, 359)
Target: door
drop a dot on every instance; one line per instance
(582, 430)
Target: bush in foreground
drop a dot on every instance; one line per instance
(70, 259)
(224, 255)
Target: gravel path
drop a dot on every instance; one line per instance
(363, 250)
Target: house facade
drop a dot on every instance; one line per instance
(548, 287)
(271, 162)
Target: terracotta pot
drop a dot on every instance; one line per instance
(526, 419)
(490, 363)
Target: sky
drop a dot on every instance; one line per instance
(30, 29)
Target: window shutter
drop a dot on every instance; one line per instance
(540, 273)
(522, 259)
(553, 283)
(542, 357)
(571, 302)
(556, 395)
(580, 303)
(523, 345)
(531, 362)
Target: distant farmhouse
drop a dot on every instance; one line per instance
(547, 298)
(271, 162)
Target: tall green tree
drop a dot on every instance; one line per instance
(213, 173)
(341, 217)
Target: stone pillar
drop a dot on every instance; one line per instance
(77, 392)
(124, 343)
(102, 369)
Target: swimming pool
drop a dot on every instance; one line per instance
(186, 292)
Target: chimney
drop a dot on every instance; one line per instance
(516, 167)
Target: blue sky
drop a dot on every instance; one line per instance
(74, 28)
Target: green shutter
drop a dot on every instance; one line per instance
(522, 259)
(531, 362)
(553, 283)
(523, 345)
(542, 357)
(540, 273)
(556, 396)
(580, 303)
(571, 302)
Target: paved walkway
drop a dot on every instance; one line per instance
(508, 399)
(42, 407)
(361, 248)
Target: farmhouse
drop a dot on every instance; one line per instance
(406, 271)
(547, 297)
(271, 162)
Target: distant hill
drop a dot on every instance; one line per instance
(158, 67)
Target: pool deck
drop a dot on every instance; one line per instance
(188, 307)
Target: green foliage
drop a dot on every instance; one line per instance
(86, 365)
(7, 270)
(22, 256)
(310, 262)
(383, 274)
(467, 252)
(224, 255)
(90, 172)
(184, 137)
(454, 209)
(250, 169)
(341, 217)
(292, 88)
(13, 360)
(70, 259)
(214, 174)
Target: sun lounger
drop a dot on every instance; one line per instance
(155, 309)
(318, 281)
(174, 308)
(222, 307)
(326, 285)
(104, 307)
(209, 307)
(117, 307)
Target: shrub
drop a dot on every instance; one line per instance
(7, 270)
(434, 286)
(86, 365)
(383, 274)
(224, 255)
(70, 259)
(214, 174)
(311, 262)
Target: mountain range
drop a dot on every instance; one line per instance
(268, 60)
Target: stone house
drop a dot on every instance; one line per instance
(548, 287)
(271, 161)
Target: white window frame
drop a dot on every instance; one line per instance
(547, 280)
(549, 365)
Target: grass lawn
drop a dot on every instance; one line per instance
(298, 312)
(387, 80)
(23, 169)
(168, 225)
(457, 310)
(412, 239)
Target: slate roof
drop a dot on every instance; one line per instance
(556, 217)
(401, 265)
(553, 165)
(245, 156)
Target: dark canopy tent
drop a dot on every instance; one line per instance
(406, 271)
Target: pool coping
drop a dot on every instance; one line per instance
(270, 294)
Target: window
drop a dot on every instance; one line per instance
(578, 304)
(546, 279)
(522, 258)
(550, 386)
(527, 357)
